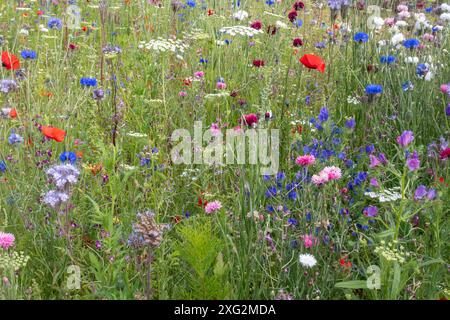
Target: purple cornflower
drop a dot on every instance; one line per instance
(420, 192)
(8, 85)
(98, 94)
(413, 161)
(370, 211)
(405, 138)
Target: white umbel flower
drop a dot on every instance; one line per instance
(307, 260)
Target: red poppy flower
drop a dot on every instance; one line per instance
(313, 62)
(210, 12)
(10, 61)
(445, 154)
(53, 133)
(13, 113)
(258, 63)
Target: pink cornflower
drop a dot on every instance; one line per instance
(305, 160)
(334, 173)
(215, 130)
(221, 85)
(199, 74)
(213, 206)
(182, 93)
(308, 240)
(320, 178)
(6, 240)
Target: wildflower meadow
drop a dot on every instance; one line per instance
(224, 150)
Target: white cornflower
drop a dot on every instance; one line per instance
(307, 260)
(397, 38)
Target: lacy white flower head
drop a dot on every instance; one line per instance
(55, 198)
(195, 34)
(240, 30)
(240, 15)
(63, 175)
(307, 260)
(164, 45)
(386, 195)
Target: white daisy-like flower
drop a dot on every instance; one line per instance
(307, 260)
(240, 15)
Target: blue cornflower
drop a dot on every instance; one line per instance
(292, 221)
(191, 3)
(411, 43)
(28, 54)
(387, 59)
(421, 69)
(203, 60)
(292, 194)
(429, 9)
(348, 163)
(14, 138)
(280, 176)
(308, 216)
(323, 115)
(271, 192)
(68, 156)
(2, 166)
(374, 89)
(293, 244)
(350, 123)
(88, 82)
(361, 37)
(54, 23)
(270, 2)
(370, 148)
(408, 85)
(298, 23)
(320, 45)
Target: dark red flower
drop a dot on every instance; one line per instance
(297, 42)
(298, 5)
(10, 61)
(445, 154)
(256, 25)
(249, 119)
(272, 30)
(292, 15)
(258, 63)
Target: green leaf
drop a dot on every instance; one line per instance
(353, 284)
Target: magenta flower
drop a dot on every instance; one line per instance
(213, 207)
(374, 161)
(305, 160)
(405, 138)
(6, 240)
